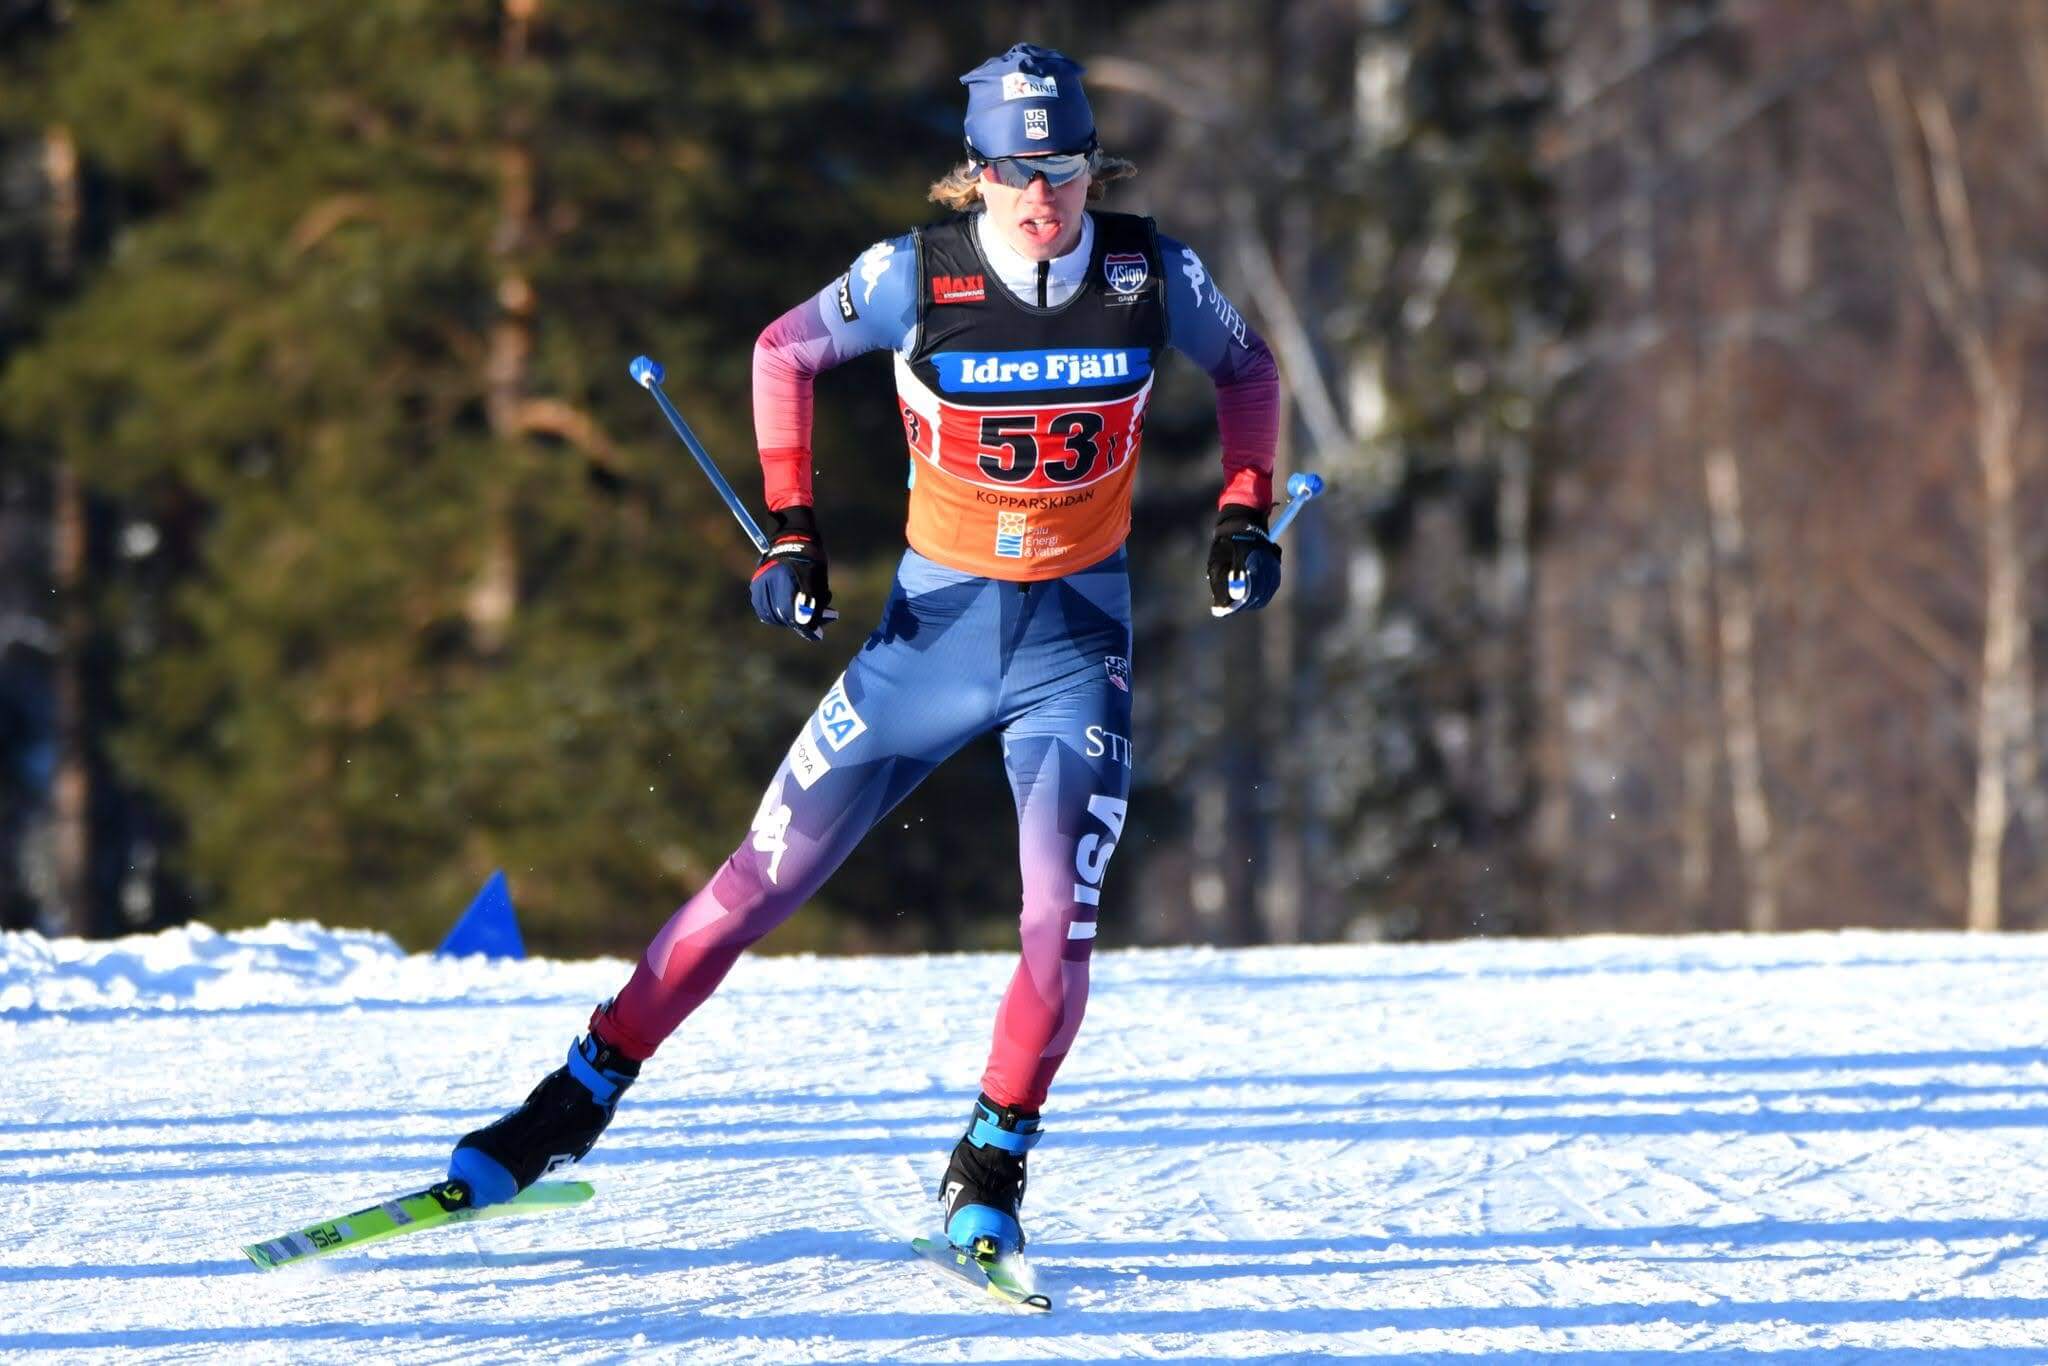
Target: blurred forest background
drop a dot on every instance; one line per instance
(1676, 364)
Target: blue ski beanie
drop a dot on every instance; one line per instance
(1028, 100)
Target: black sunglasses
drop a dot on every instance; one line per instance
(1058, 168)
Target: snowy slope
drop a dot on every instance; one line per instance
(1818, 1149)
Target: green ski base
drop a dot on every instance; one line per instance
(992, 1276)
(444, 1203)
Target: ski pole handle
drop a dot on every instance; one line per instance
(648, 374)
(1300, 488)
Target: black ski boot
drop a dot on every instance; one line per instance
(557, 1125)
(984, 1182)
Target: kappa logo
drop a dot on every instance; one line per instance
(1036, 125)
(1010, 527)
(1226, 313)
(1191, 266)
(958, 289)
(874, 264)
(771, 829)
(1125, 271)
(1119, 670)
(1020, 85)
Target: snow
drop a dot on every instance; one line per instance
(1817, 1148)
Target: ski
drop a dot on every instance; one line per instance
(445, 1203)
(995, 1277)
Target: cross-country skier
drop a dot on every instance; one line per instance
(1025, 332)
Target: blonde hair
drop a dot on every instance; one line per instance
(960, 188)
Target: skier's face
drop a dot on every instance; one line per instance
(1039, 221)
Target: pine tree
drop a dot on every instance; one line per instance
(441, 595)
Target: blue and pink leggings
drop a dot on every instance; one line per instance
(1047, 665)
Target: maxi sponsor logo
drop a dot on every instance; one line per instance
(959, 289)
(838, 722)
(985, 372)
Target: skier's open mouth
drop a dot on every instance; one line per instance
(1043, 229)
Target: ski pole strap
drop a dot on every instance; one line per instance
(988, 1131)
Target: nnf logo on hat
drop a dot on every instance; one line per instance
(1018, 85)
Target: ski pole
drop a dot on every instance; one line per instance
(1301, 487)
(648, 374)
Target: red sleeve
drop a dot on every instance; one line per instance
(787, 357)
(1248, 420)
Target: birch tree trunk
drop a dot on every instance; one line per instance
(1740, 728)
(1934, 202)
(2002, 697)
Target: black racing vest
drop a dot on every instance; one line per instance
(1024, 423)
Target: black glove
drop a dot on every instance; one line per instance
(790, 587)
(1244, 563)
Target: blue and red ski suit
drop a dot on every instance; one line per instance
(1022, 389)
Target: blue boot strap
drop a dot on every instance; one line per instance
(604, 1087)
(986, 1133)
